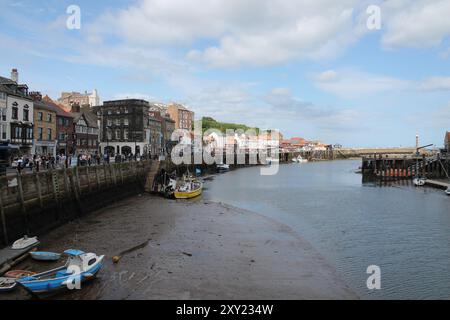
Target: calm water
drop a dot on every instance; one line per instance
(402, 229)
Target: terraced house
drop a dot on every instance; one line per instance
(44, 142)
(16, 113)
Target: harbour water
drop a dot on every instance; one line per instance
(402, 229)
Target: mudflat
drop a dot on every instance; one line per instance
(191, 250)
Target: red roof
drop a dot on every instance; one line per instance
(59, 109)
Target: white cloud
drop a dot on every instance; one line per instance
(252, 32)
(352, 83)
(435, 84)
(411, 23)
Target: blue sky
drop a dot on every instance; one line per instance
(308, 68)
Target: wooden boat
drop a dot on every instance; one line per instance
(80, 267)
(16, 274)
(45, 256)
(188, 189)
(7, 284)
(24, 242)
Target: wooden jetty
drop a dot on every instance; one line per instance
(388, 167)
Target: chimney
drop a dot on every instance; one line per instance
(75, 107)
(15, 75)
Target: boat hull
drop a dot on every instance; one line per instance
(188, 194)
(45, 256)
(49, 287)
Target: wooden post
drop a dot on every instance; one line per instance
(96, 176)
(77, 180)
(88, 179)
(54, 176)
(2, 212)
(22, 200)
(112, 168)
(66, 183)
(121, 172)
(38, 187)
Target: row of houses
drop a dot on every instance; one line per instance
(78, 124)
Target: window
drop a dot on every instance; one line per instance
(62, 136)
(61, 121)
(109, 122)
(125, 121)
(108, 134)
(26, 114)
(15, 113)
(117, 122)
(117, 134)
(2, 96)
(3, 114)
(40, 116)
(125, 134)
(40, 133)
(49, 117)
(49, 134)
(30, 133)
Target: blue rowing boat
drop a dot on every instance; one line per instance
(45, 256)
(80, 267)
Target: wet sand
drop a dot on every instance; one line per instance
(196, 250)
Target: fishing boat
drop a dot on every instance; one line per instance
(16, 274)
(80, 267)
(7, 284)
(188, 188)
(45, 256)
(24, 242)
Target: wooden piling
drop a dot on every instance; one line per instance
(3, 216)
(38, 187)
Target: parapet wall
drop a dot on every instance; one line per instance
(35, 202)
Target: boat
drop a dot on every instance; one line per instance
(447, 191)
(300, 159)
(24, 242)
(188, 188)
(223, 167)
(419, 182)
(16, 274)
(45, 256)
(80, 267)
(7, 284)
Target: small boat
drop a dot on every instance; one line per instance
(45, 256)
(16, 274)
(7, 284)
(447, 192)
(188, 189)
(419, 182)
(24, 242)
(80, 267)
(223, 167)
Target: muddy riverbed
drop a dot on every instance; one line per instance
(196, 250)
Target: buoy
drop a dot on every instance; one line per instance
(115, 259)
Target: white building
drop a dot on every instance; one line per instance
(16, 113)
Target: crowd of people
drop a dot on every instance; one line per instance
(47, 162)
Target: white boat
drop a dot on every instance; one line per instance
(223, 167)
(24, 242)
(7, 284)
(448, 191)
(299, 159)
(419, 182)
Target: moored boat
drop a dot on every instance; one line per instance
(16, 274)
(24, 242)
(80, 267)
(188, 189)
(448, 191)
(45, 256)
(7, 284)
(223, 167)
(419, 182)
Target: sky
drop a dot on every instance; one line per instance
(335, 71)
